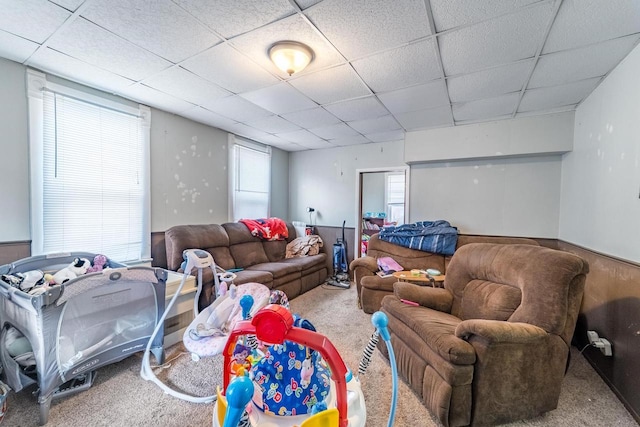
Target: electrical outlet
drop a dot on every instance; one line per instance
(603, 344)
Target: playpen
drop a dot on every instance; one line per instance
(75, 328)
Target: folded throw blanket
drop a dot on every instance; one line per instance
(267, 228)
(438, 237)
(304, 246)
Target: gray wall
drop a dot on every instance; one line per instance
(600, 207)
(14, 146)
(373, 184)
(189, 161)
(189, 182)
(503, 197)
(326, 179)
(279, 204)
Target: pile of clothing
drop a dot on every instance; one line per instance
(304, 246)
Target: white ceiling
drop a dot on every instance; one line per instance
(381, 67)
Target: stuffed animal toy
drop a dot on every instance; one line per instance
(77, 268)
(99, 263)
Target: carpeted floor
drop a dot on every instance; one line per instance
(119, 397)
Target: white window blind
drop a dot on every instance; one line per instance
(251, 182)
(95, 187)
(394, 194)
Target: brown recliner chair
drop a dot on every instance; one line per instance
(492, 345)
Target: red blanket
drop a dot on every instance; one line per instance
(267, 228)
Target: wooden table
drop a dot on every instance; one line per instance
(422, 278)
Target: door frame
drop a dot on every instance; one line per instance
(357, 253)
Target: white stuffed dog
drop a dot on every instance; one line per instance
(77, 268)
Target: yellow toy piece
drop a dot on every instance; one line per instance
(222, 406)
(328, 418)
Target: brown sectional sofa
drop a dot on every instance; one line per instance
(372, 288)
(232, 246)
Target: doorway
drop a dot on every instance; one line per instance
(382, 199)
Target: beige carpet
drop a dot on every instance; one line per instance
(120, 397)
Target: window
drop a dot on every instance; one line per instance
(394, 197)
(89, 173)
(251, 179)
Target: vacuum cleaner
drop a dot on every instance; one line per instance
(340, 276)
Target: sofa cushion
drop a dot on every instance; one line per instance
(436, 329)
(482, 299)
(246, 276)
(307, 263)
(275, 250)
(211, 237)
(277, 269)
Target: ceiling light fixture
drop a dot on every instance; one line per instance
(291, 57)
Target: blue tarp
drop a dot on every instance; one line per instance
(438, 237)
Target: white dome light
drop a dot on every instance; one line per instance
(291, 57)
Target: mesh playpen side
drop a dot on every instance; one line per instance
(75, 328)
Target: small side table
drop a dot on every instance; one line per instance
(422, 279)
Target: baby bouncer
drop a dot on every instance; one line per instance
(245, 400)
(208, 332)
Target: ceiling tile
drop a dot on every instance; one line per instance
(34, 20)
(247, 131)
(332, 85)
(378, 124)
(421, 97)
(489, 83)
(357, 109)
(349, 140)
(561, 109)
(71, 5)
(339, 130)
(361, 27)
(237, 108)
(273, 124)
(154, 98)
(300, 137)
(557, 96)
(279, 99)
(232, 17)
(229, 69)
(433, 117)
(51, 61)
(406, 66)
(159, 26)
(582, 22)
(317, 145)
(486, 108)
(305, 4)
(449, 14)
(94, 45)
(256, 44)
(16, 48)
(205, 116)
(495, 42)
(579, 64)
(394, 135)
(183, 84)
(314, 117)
(277, 141)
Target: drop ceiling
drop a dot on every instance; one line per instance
(381, 67)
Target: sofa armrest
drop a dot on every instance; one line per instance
(498, 331)
(439, 299)
(370, 263)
